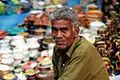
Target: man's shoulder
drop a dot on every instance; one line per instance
(83, 46)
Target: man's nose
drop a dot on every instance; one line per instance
(59, 34)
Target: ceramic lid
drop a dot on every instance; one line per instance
(4, 67)
(6, 55)
(30, 72)
(18, 56)
(7, 61)
(9, 76)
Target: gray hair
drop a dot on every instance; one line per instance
(65, 13)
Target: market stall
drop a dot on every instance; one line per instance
(20, 59)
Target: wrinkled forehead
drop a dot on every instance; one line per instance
(61, 21)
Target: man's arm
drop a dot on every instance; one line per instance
(56, 75)
(79, 69)
(55, 64)
(76, 69)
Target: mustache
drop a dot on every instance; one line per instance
(58, 39)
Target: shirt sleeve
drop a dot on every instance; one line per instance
(79, 69)
(56, 75)
(54, 61)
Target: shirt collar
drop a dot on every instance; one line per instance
(70, 51)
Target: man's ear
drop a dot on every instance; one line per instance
(76, 31)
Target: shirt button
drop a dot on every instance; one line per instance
(63, 65)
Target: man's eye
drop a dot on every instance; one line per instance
(54, 29)
(64, 29)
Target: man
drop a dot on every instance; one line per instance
(74, 58)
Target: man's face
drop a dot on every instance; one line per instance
(63, 33)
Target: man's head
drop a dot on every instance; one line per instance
(64, 27)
